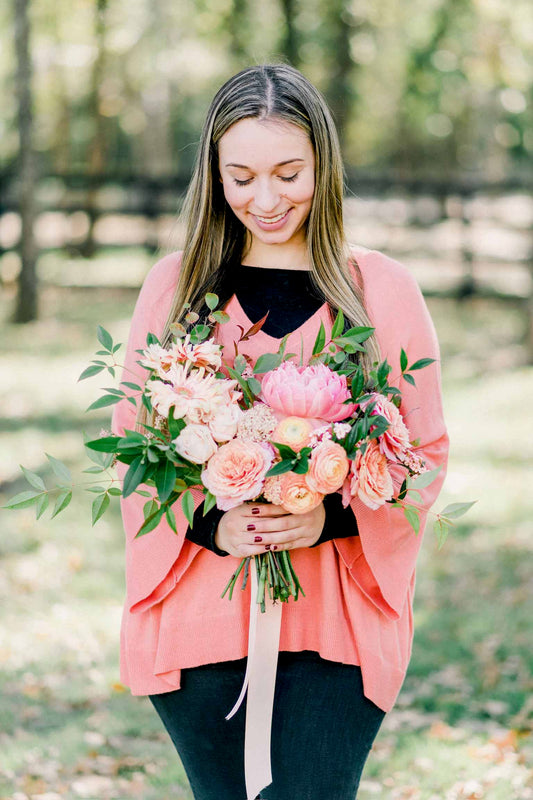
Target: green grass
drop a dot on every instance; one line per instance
(461, 726)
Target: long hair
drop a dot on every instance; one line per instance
(215, 238)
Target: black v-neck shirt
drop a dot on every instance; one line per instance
(288, 295)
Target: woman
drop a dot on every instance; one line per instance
(264, 230)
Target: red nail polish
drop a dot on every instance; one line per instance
(274, 547)
(250, 527)
(255, 511)
(267, 547)
(258, 539)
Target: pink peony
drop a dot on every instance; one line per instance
(328, 467)
(395, 440)
(195, 443)
(296, 495)
(237, 471)
(313, 391)
(371, 481)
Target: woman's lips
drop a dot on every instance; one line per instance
(272, 226)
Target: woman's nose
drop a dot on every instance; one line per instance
(266, 196)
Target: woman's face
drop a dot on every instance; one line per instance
(267, 169)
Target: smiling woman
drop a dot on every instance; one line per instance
(269, 196)
(264, 230)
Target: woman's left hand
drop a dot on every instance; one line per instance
(280, 530)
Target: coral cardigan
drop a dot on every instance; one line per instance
(359, 589)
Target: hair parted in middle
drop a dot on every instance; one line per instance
(215, 238)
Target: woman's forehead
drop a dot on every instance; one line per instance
(263, 141)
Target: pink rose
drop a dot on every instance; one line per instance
(314, 391)
(237, 471)
(296, 495)
(195, 443)
(371, 480)
(395, 440)
(328, 467)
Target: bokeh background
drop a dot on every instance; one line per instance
(102, 102)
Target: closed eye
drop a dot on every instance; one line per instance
(286, 180)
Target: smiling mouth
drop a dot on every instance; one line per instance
(271, 220)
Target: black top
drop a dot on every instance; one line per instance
(290, 299)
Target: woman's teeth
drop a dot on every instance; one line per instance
(271, 219)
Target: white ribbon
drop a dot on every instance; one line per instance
(260, 681)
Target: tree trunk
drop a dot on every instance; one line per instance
(289, 44)
(26, 305)
(341, 94)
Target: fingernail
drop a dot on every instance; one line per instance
(274, 547)
(250, 527)
(258, 539)
(255, 511)
(267, 547)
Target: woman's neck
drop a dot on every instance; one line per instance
(293, 257)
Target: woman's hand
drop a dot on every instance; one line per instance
(251, 529)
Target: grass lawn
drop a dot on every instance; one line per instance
(68, 729)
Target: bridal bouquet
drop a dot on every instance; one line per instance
(269, 431)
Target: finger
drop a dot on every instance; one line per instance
(269, 525)
(266, 510)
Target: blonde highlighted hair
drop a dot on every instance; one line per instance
(214, 237)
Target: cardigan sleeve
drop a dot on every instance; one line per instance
(381, 560)
(155, 562)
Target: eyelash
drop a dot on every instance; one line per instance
(245, 183)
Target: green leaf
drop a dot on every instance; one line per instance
(301, 466)
(118, 392)
(131, 386)
(150, 507)
(102, 402)
(199, 333)
(211, 300)
(254, 385)
(151, 522)
(338, 325)
(175, 426)
(117, 347)
(90, 371)
(99, 506)
(104, 338)
(62, 500)
(221, 317)
(93, 470)
(412, 517)
(279, 469)
(423, 480)
(22, 500)
(114, 491)
(187, 504)
(61, 470)
(409, 378)
(320, 340)
(455, 510)
(41, 505)
(403, 360)
(104, 444)
(134, 476)
(33, 479)
(285, 451)
(421, 363)
(209, 502)
(96, 489)
(147, 403)
(151, 338)
(267, 362)
(165, 477)
(171, 518)
(414, 495)
(441, 529)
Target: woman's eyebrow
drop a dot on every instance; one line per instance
(279, 164)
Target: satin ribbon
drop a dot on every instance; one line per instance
(260, 681)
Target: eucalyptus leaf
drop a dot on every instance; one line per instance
(211, 300)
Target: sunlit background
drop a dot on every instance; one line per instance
(102, 102)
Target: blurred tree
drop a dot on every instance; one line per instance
(238, 29)
(26, 305)
(289, 43)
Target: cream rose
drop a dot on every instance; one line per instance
(195, 443)
(223, 425)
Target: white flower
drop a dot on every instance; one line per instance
(195, 443)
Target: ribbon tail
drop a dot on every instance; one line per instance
(252, 627)
(261, 671)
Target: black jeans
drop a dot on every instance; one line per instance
(322, 731)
